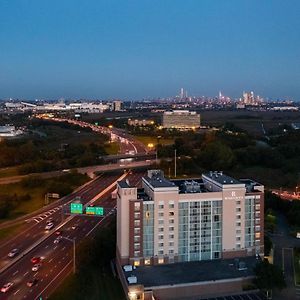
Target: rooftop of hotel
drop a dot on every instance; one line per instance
(196, 271)
(156, 179)
(221, 178)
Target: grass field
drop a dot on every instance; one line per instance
(153, 140)
(249, 120)
(98, 286)
(9, 172)
(9, 232)
(37, 192)
(112, 148)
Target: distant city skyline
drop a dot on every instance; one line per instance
(134, 50)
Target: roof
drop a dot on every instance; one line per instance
(221, 178)
(159, 181)
(189, 272)
(123, 184)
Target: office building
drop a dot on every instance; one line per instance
(181, 119)
(117, 105)
(169, 226)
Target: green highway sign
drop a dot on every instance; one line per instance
(99, 211)
(76, 208)
(94, 210)
(90, 210)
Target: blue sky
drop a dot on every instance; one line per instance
(149, 48)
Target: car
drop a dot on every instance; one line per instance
(58, 239)
(49, 226)
(74, 227)
(36, 260)
(32, 282)
(13, 253)
(6, 287)
(58, 232)
(36, 267)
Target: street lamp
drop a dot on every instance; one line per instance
(74, 251)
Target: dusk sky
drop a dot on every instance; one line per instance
(136, 49)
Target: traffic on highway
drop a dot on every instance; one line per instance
(36, 261)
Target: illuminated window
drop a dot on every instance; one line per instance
(160, 260)
(147, 261)
(137, 223)
(137, 206)
(136, 263)
(257, 235)
(147, 214)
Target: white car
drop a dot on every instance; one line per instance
(58, 239)
(6, 287)
(36, 267)
(13, 253)
(49, 226)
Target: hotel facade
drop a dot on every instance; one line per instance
(215, 217)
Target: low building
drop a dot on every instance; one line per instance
(137, 122)
(214, 221)
(181, 119)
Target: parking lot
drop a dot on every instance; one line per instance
(248, 296)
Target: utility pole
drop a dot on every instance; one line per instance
(175, 171)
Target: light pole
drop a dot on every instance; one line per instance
(74, 251)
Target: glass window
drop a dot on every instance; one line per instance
(137, 205)
(160, 214)
(147, 261)
(171, 213)
(136, 223)
(161, 260)
(161, 206)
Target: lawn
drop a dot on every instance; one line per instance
(112, 148)
(33, 190)
(9, 232)
(146, 140)
(9, 172)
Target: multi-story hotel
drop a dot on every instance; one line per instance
(170, 222)
(181, 119)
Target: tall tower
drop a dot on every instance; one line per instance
(181, 93)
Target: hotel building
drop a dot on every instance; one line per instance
(170, 222)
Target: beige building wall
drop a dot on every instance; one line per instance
(233, 215)
(123, 197)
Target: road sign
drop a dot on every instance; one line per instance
(76, 208)
(99, 211)
(94, 210)
(90, 210)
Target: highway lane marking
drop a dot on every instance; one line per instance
(54, 247)
(26, 273)
(50, 260)
(38, 297)
(16, 273)
(35, 274)
(46, 246)
(16, 292)
(63, 248)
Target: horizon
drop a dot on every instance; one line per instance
(140, 50)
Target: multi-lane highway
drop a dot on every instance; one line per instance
(57, 260)
(127, 143)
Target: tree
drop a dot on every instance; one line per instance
(268, 276)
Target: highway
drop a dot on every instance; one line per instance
(57, 258)
(33, 228)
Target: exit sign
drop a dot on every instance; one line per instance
(94, 210)
(76, 208)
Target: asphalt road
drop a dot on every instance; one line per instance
(283, 256)
(57, 258)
